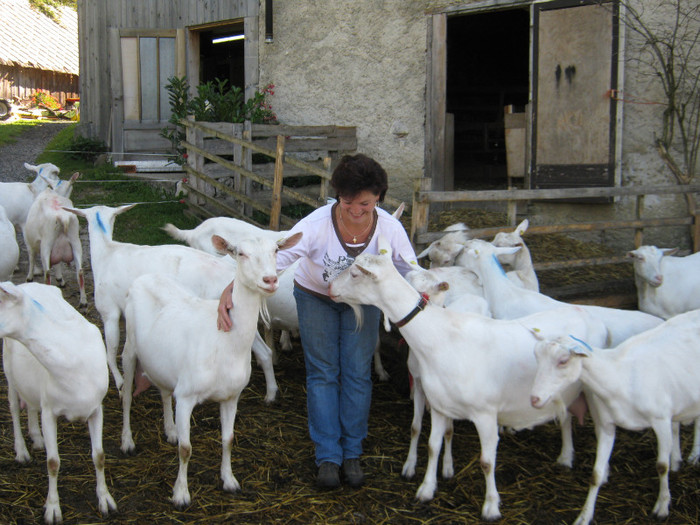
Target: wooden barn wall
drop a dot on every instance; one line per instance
(22, 82)
(96, 17)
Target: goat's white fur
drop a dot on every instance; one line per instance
(9, 249)
(173, 334)
(471, 367)
(54, 359)
(509, 301)
(523, 271)
(666, 285)
(648, 381)
(17, 197)
(54, 234)
(115, 265)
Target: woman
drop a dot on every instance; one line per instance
(338, 357)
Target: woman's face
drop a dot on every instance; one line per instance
(358, 208)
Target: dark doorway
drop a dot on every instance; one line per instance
(221, 55)
(487, 69)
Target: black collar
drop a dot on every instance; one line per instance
(419, 308)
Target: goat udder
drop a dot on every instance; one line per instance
(61, 251)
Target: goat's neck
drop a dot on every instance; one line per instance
(246, 303)
(398, 299)
(601, 374)
(496, 284)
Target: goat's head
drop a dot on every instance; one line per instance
(445, 250)
(647, 263)
(558, 366)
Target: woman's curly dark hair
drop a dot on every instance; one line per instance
(358, 173)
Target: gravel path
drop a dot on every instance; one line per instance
(29, 145)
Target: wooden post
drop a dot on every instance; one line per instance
(194, 160)
(238, 161)
(248, 164)
(421, 210)
(276, 206)
(639, 232)
(696, 232)
(323, 194)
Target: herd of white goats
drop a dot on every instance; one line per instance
(508, 356)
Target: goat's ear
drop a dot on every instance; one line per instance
(222, 246)
(508, 250)
(289, 242)
(670, 251)
(76, 211)
(536, 333)
(75, 176)
(125, 207)
(578, 347)
(365, 271)
(632, 254)
(384, 247)
(443, 286)
(522, 227)
(399, 211)
(424, 253)
(8, 292)
(412, 262)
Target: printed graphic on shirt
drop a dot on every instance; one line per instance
(333, 268)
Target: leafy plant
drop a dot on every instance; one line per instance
(40, 98)
(86, 148)
(216, 101)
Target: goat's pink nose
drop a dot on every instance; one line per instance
(534, 401)
(270, 279)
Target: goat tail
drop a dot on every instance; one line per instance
(175, 232)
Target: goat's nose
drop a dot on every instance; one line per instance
(270, 279)
(534, 401)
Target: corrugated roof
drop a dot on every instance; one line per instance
(31, 39)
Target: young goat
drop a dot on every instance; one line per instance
(54, 359)
(173, 334)
(523, 272)
(17, 197)
(445, 250)
(115, 266)
(666, 285)
(54, 234)
(649, 381)
(471, 367)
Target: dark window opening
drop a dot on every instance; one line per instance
(487, 69)
(224, 59)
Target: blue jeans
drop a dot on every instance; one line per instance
(338, 374)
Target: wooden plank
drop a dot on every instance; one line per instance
(310, 144)
(276, 205)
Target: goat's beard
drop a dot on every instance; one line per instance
(359, 317)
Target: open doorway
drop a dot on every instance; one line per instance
(221, 51)
(487, 69)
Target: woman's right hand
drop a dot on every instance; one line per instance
(223, 320)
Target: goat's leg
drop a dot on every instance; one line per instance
(487, 428)
(676, 454)
(270, 342)
(78, 261)
(110, 321)
(34, 428)
(227, 411)
(695, 452)
(438, 424)
(31, 253)
(264, 358)
(286, 341)
(21, 452)
(129, 364)
(664, 437)
(168, 420)
(448, 469)
(566, 456)
(183, 413)
(378, 366)
(52, 507)
(605, 434)
(104, 498)
(409, 466)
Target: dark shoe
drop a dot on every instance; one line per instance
(353, 472)
(328, 475)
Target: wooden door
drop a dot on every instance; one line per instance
(574, 76)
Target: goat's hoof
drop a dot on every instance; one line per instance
(30, 279)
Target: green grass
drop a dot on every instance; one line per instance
(108, 186)
(9, 131)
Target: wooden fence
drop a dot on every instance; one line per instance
(423, 197)
(232, 183)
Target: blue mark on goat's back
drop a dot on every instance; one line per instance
(100, 223)
(584, 343)
(498, 264)
(38, 305)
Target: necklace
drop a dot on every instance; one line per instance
(354, 237)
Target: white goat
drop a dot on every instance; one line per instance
(509, 301)
(54, 234)
(523, 272)
(229, 228)
(471, 367)
(54, 359)
(445, 250)
(115, 265)
(173, 334)
(666, 286)
(649, 381)
(9, 249)
(17, 197)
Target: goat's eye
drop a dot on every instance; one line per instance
(563, 362)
